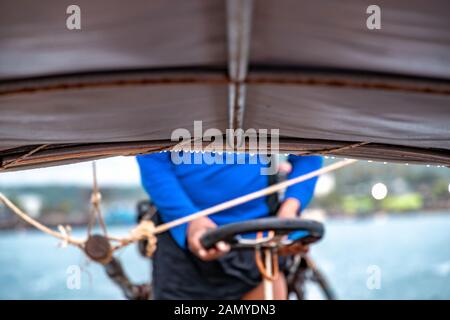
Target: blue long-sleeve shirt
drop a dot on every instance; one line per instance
(179, 189)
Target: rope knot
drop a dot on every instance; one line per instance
(146, 231)
(96, 197)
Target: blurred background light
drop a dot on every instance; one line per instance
(325, 184)
(379, 191)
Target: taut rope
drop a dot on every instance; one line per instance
(96, 213)
(252, 196)
(336, 150)
(26, 155)
(60, 235)
(147, 231)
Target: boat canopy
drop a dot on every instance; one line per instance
(137, 70)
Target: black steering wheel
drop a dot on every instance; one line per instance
(276, 233)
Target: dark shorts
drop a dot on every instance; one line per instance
(178, 274)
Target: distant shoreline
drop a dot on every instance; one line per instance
(312, 214)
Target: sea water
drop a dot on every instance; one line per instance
(409, 256)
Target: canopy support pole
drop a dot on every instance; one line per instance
(239, 17)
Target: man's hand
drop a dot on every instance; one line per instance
(289, 209)
(195, 231)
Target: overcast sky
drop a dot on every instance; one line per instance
(117, 171)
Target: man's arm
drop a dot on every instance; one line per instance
(160, 182)
(299, 195)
